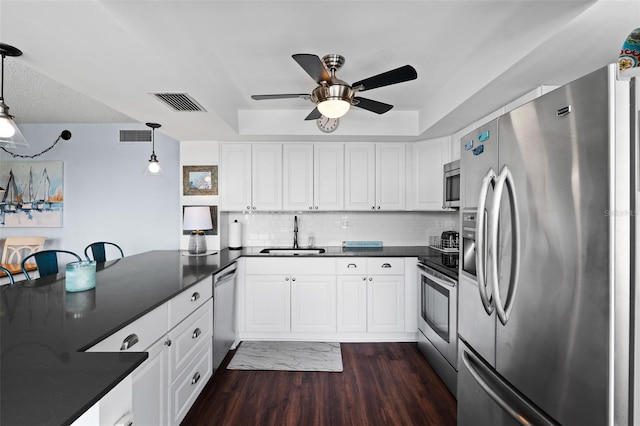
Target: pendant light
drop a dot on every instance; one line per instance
(10, 135)
(153, 166)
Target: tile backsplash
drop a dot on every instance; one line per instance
(332, 228)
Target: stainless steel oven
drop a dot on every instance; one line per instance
(451, 190)
(438, 323)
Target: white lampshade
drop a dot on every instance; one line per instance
(333, 108)
(197, 218)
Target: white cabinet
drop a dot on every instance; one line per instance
(268, 298)
(328, 176)
(266, 176)
(313, 177)
(178, 337)
(250, 177)
(290, 295)
(375, 176)
(429, 158)
(371, 295)
(313, 303)
(150, 387)
(235, 176)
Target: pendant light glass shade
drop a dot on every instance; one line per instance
(10, 134)
(152, 168)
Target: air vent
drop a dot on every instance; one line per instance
(129, 136)
(179, 101)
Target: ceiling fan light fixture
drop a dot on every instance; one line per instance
(333, 101)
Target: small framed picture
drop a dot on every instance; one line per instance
(199, 180)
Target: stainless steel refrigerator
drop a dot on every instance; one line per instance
(546, 287)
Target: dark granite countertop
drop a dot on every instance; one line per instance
(47, 379)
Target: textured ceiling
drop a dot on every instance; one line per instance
(98, 61)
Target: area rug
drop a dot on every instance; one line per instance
(287, 356)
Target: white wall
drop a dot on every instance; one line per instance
(105, 195)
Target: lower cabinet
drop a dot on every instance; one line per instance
(385, 303)
(178, 337)
(352, 303)
(268, 298)
(313, 303)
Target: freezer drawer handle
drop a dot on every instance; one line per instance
(502, 393)
(129, 341)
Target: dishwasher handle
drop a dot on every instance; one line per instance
(229, 274)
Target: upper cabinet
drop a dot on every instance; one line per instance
(375, 176)
(428, 158)
(251, 177)
(313, 177)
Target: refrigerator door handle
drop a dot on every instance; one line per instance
(481, 244)
(520, 409)
(503, 310)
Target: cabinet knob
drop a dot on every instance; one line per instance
(316, 207)
(373, 207)
(129, 341)
(310, 208)
(364, 278)
(196, 333)
(378, 207)
(167, 342)
(293, 279)
(195, 378)
(286, 278)
(195, 296)
(248, 207)
(370, 278)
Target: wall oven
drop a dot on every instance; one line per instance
(438, 323)
(451, 190)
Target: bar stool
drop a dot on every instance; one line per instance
(99, 250)
(47, 261)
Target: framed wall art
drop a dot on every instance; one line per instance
(199, 180)
(33, 196)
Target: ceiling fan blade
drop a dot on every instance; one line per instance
(314, 115)
(313, 66)
(397, 75)
(281, 96)
(371, 105)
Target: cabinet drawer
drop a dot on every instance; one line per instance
(189, 300)
(385, 266)
(188, 337)
(138, 335)
(189, 384)
(351, 266)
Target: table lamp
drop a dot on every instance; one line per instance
(197, 219)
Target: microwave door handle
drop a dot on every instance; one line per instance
(503, 310)
(481, 248)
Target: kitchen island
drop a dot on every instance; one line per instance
(47, 378)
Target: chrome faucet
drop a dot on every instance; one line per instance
(295, 232)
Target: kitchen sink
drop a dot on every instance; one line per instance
(291, 251)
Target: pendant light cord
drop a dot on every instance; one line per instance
(66, 135)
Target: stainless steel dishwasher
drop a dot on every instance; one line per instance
(224, 313)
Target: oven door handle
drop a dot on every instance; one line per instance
(435, 279)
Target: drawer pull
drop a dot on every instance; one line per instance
(129, 341)
(196, 333)
(195, 379)
(386, 265)
(195, 296)
(352, 265)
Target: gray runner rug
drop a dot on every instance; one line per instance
(288, 356)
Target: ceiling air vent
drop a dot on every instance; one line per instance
(129, 136)
(179, 101)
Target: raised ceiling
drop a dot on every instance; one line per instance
(99, 61)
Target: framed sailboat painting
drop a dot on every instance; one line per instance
(33, 194)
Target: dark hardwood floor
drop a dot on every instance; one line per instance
(382, 384)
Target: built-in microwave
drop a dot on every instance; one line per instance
(451, 193)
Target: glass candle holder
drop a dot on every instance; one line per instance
(80, 276)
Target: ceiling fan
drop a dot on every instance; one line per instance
(333, 97)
